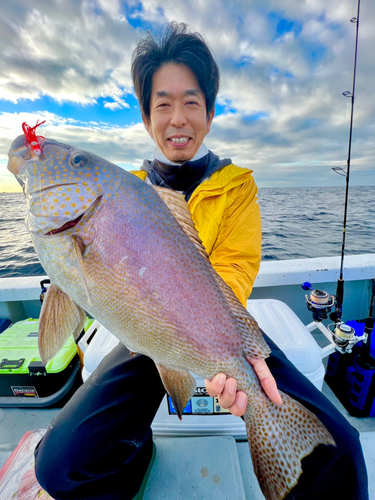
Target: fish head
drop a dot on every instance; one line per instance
(61, 184)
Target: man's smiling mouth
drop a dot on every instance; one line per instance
(179, 140)
(182, 140)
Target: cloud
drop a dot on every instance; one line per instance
(120, 145)
(284, 65)
(290, 156)
(118, 104)
(71, 51)
(295, 79)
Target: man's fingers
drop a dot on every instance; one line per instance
(238, 408)
(226, 392)
(216, 385)
(224, 388)
(266, 379)
(228, 396)
(236, 402)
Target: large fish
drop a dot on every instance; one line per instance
(128, 254)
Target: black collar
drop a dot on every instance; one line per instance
(185, 177)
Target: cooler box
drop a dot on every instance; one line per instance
(203, 415)
(24, 380)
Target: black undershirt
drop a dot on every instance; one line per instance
(185, 177)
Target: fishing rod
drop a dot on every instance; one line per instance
(336, 316)
(320, 302)
(351, 377)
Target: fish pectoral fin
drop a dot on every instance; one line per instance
(60, 317)
(179, 384)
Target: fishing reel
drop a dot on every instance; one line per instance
(318, 302)
(343, 336)
(339, 334)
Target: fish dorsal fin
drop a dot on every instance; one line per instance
(254, 344)
(179, 208)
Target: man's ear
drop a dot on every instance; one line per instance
(210, 117)
(147, 124)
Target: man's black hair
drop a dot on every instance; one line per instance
(176, 45)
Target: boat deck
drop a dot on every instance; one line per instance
(204, 468)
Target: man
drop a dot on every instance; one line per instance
(100, 445)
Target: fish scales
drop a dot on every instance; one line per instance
(112, 247)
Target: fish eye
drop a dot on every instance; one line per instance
(78, 160)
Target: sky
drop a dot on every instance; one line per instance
(280, 110)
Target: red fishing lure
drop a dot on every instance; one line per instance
(31, 137)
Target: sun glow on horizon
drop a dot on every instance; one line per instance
(8, 183)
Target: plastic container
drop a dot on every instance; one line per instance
(24, 379)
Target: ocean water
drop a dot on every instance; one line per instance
(308, 222)
(297, 223)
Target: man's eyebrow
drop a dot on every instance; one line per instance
(192, 92)
(163, 93)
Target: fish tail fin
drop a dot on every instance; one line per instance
(279, 438)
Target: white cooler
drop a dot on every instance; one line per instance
(203, 414)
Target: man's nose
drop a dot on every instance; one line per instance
(178, 117)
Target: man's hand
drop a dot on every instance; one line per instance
(236, 401)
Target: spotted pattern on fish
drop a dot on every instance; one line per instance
(279, 437)
(112, 247)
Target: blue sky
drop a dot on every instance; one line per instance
(280, 111)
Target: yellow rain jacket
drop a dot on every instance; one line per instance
(226, 213)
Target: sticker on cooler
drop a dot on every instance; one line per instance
(200, 404)
(26, 391)
(172, 409)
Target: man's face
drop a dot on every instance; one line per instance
(178, 116)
